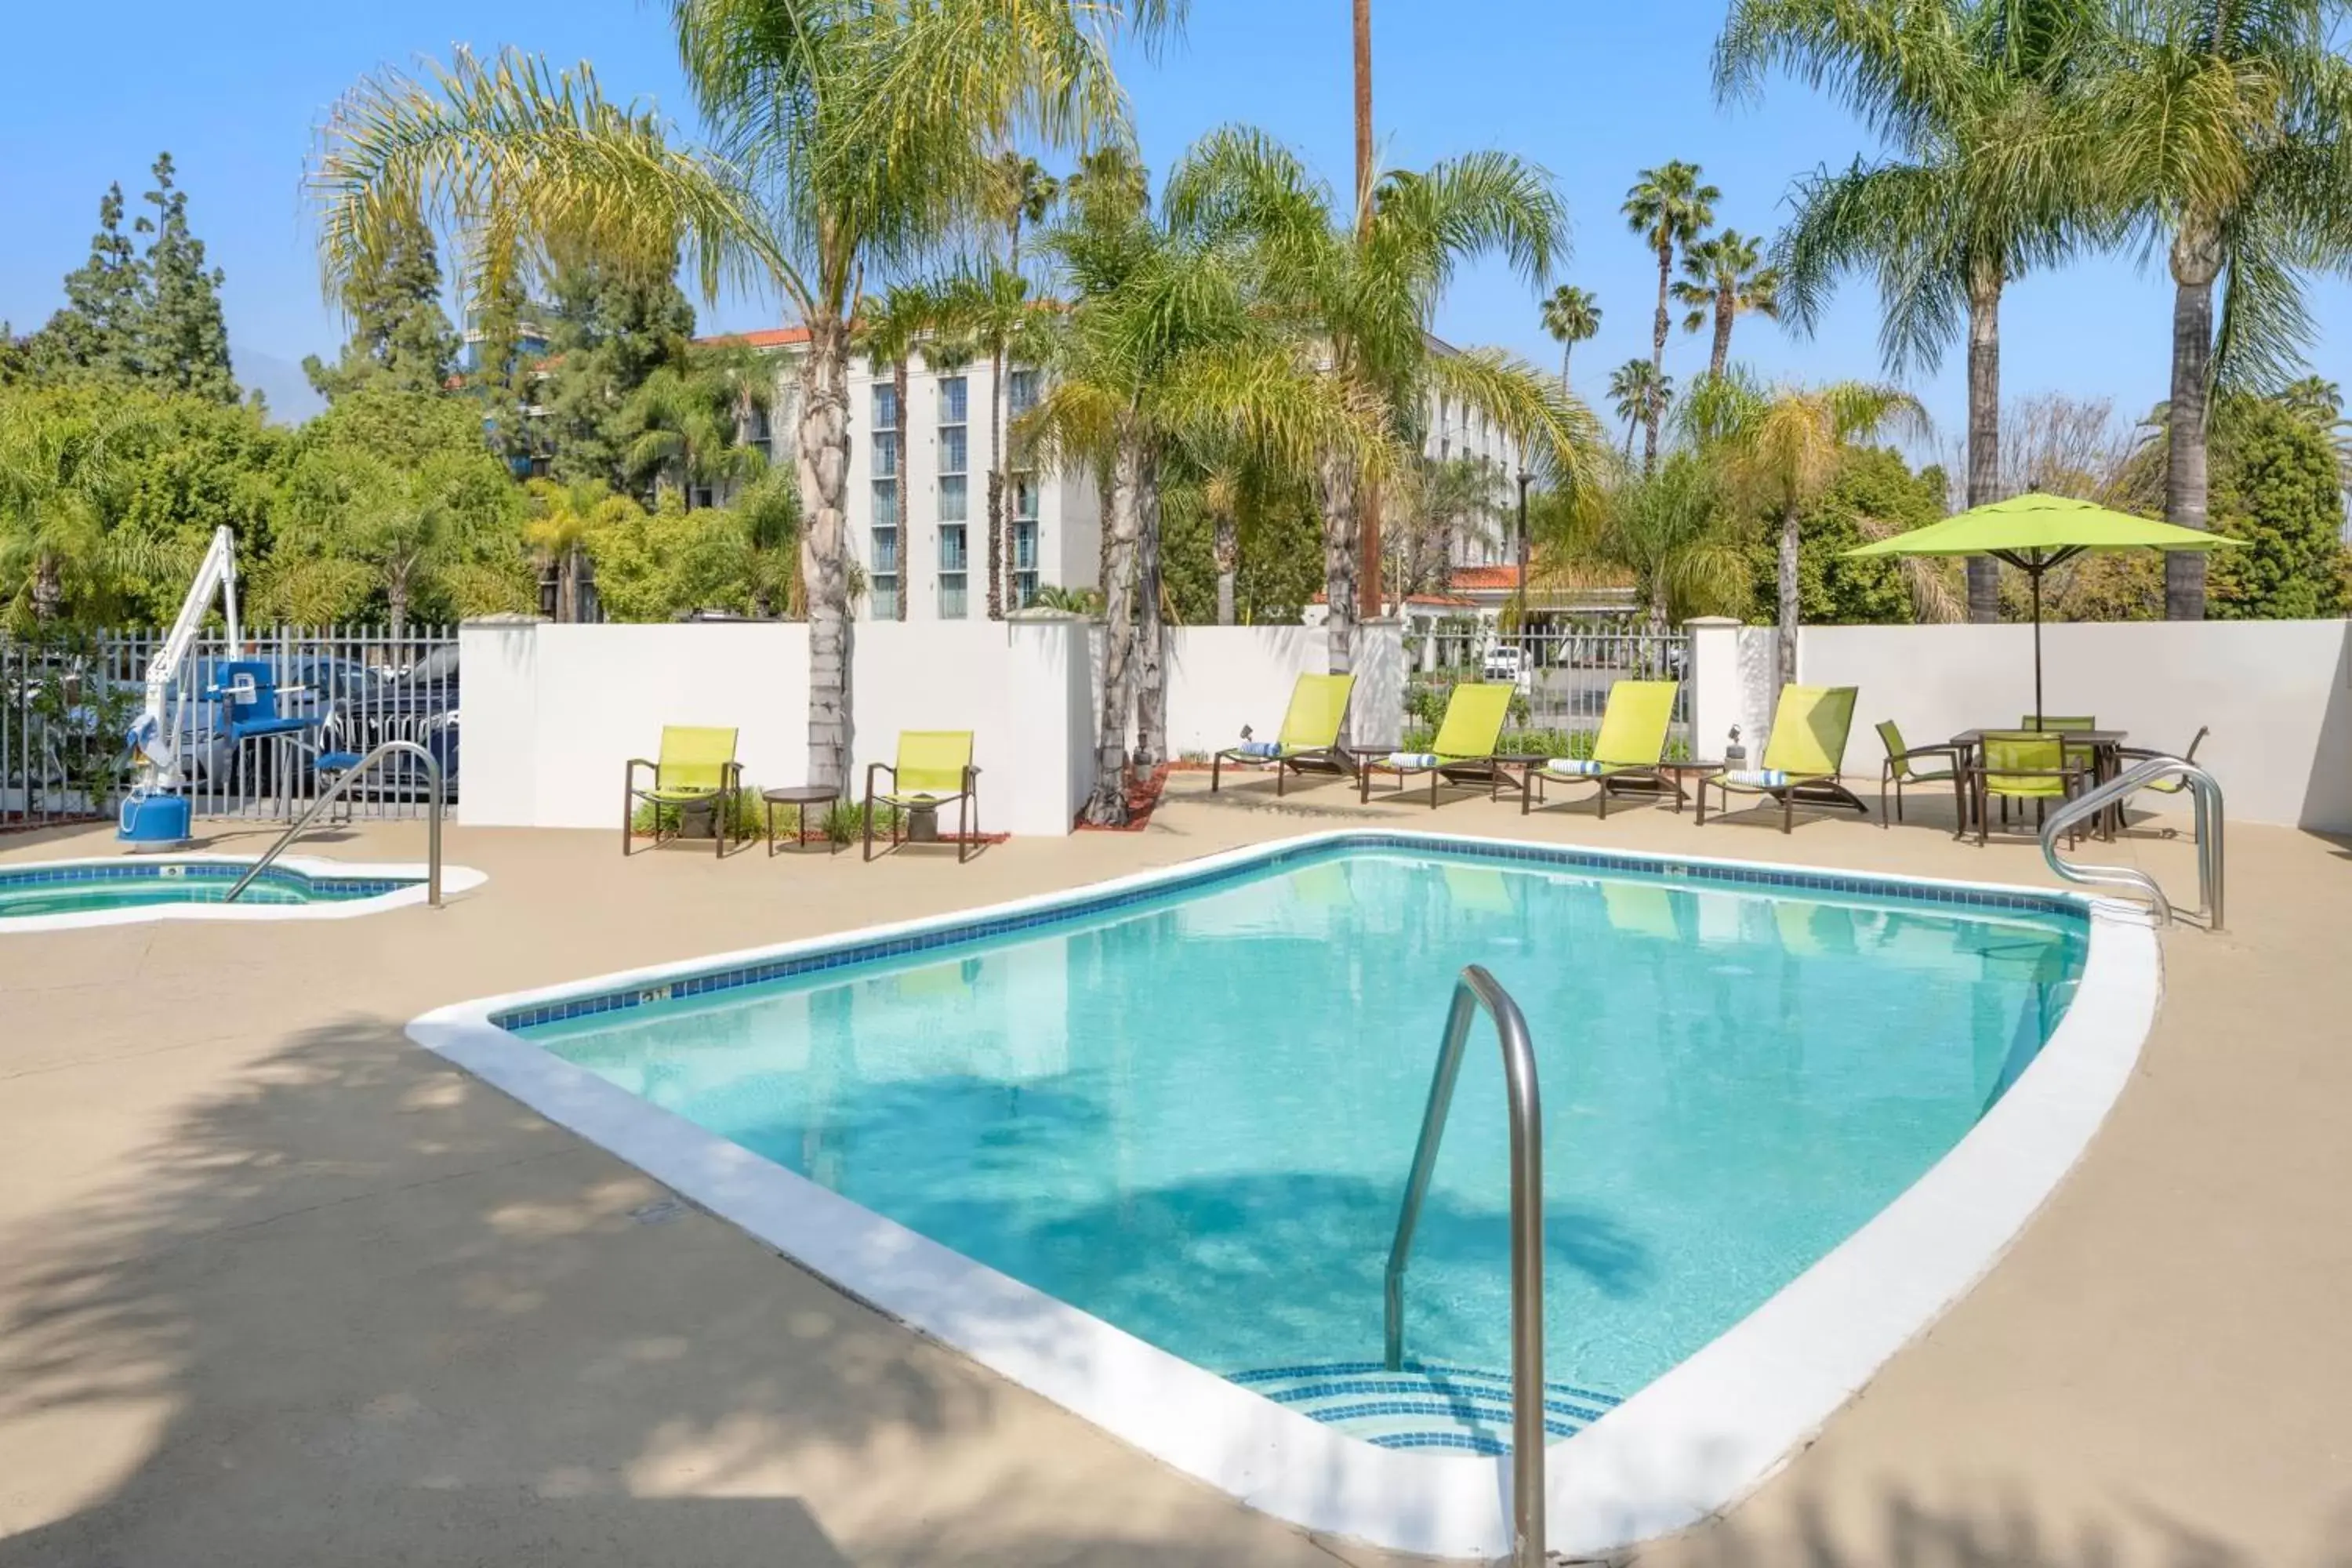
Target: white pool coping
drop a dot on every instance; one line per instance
(1687, 1446)
(457, 881)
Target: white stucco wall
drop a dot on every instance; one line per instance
(2278, 696)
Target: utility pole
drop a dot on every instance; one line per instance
(1368, 505)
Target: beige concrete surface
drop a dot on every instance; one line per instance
(278, 1288)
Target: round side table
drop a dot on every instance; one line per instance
(804, 796)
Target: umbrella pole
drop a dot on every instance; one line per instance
(2034, 577)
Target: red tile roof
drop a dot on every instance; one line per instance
(757, 338)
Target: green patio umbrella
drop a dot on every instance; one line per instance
(2034, 532)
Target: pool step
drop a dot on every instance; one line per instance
(1422, 1405)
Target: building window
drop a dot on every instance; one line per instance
(954, 497)
(1025, 539)
(886, 432)
(1021, 392)
(882, 582)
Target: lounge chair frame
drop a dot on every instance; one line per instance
(1334, 761)
(1461, 769)
(966, 799)
(1534, 776)
(723, 798)
(1803, 788)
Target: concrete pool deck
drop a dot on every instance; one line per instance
(278, 1286)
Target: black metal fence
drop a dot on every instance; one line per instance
(246, 749)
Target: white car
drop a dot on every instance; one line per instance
(1508, 661)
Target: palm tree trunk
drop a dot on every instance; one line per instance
(1657, 358)
(1228, 550)
(49, 589)
(1150, 631)
(1984, 430)
(1725, 309)
(1108, 806)
(898, 469)
(1564, 348)
(395, 604)
(2196, 262)
(1334, 484)
(824, 472)
(567, 586)
(997, 403)
(1788, 587)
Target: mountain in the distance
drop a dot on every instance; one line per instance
(287, 392)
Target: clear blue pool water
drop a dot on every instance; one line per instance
(1192, 1117)
(137, 884)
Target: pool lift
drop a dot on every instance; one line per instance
(155, 813)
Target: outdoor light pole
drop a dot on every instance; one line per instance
(1525, 478)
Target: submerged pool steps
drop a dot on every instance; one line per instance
(1422, 1405)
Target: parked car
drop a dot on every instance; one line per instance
(1508, 661)
(419, 703)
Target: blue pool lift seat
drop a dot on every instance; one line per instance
(249, 692)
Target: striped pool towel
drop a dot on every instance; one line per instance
(1573, 767)
(1267, 749)
(1411, 759)
(1757, 778)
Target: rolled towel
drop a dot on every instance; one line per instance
(1260, 749)
(1758, 778)
(1573, 767)
(1411, 759)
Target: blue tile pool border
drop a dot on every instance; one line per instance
(203, 871)
(1177, 882)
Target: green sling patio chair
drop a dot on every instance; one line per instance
(1803, 758)
(1628, 749)
(2076, 756)
(1309, 740)
(697, 768)
(2023, 765)
(1902, 768)
(1464, 751)
(934, 767)
(2174, 783)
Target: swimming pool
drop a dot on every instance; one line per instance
(60, 895)
(1151, 1138)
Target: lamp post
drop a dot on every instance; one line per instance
(1525, 478)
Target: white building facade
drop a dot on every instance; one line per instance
(936, 555)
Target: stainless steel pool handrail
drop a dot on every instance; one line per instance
(333, 792)
(1476, 988)
(2204, 790)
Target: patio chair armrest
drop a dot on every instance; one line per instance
(873, 768)
(629, 775)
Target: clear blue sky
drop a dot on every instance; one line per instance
(1593, 91)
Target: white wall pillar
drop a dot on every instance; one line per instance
(1376, 714)
(498, 741)
(1049, 679)
(1759, 686)
(1713, 676)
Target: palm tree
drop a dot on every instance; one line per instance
(1362, 305)
(887, 329)
(1571, 316)
(1992, 173)
(1723, 280)
(563, 519)
(1021, 192)
(845, 139)
(1780, 449)
(1668, 207)
(1674, 531)
(684, 427)
(1169, 348)
(1110, 183)
(1640, 392)
(64, 473)
(992, 312)
(2225, 129)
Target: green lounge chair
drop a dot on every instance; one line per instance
(697, 767)
(1628, 749)
(1801, 759)
(2022, 765)
(1901, 768)
(1309, 741)
(934, 767)
(1465, 750)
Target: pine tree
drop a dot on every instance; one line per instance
(97, 332)
(608, 333)
(401, 339)
(181, 337)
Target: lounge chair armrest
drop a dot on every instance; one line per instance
(629, 775)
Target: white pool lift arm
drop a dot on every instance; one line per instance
(154, 738)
